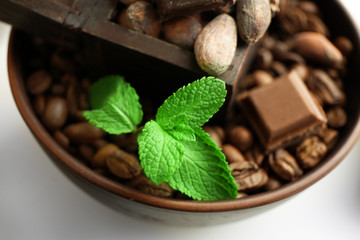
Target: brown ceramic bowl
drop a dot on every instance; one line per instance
(136, 203)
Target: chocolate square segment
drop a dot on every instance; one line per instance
(282, 112)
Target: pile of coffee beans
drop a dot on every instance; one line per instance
(298, 43)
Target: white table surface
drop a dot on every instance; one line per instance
(38, 202)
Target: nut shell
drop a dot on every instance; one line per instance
(253, 19)
(216, 44)
(182, 31)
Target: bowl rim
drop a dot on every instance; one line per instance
(122, 191)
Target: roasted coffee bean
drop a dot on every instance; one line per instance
(262, 78)
(269, 42)
(145, 185)
(232, 154)
(55, 113)
(333, 73)
(68, 78)
(72, 93)
(83, 101)
(39, 104)
(258, 154)
(100, 171)
(60, 61)
(182, 31)
(284, 165)
(248, 175)
(220, 132)
(140, 16)
(257, 79)
(308, 7)
(241, 137)
(329, 136)
(292, 20)
(278, 68)
(78, 116)
(127, 142)
(279, 49)
(99, 158)
(272, 184)
(248, 155)
(344, 45)
(264, 58)
(83, 132)
(241, 195)
(311, 151)
(38, 82)
(336, 117)
(60, 137)
(325, 87)
(292, 58)
(247, 83)
(315, 24)
(301, 70)
(316, 47)
(282, 53)
(213, 133)
(123, 165)
(300, 19)
(99, 143)
(57, 89)
(86, 152)
(85, 84)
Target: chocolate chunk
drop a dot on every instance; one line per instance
(282, 112)
(170, 9)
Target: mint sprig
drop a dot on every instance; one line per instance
(172, 148)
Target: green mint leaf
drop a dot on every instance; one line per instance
(160, 154)
(198, 102)
(116, 106)
(204, 173)
(103, 89)
(183, 132)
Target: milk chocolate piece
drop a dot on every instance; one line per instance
(282, 112)
(170, 8)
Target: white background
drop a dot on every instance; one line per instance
(38, 202)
